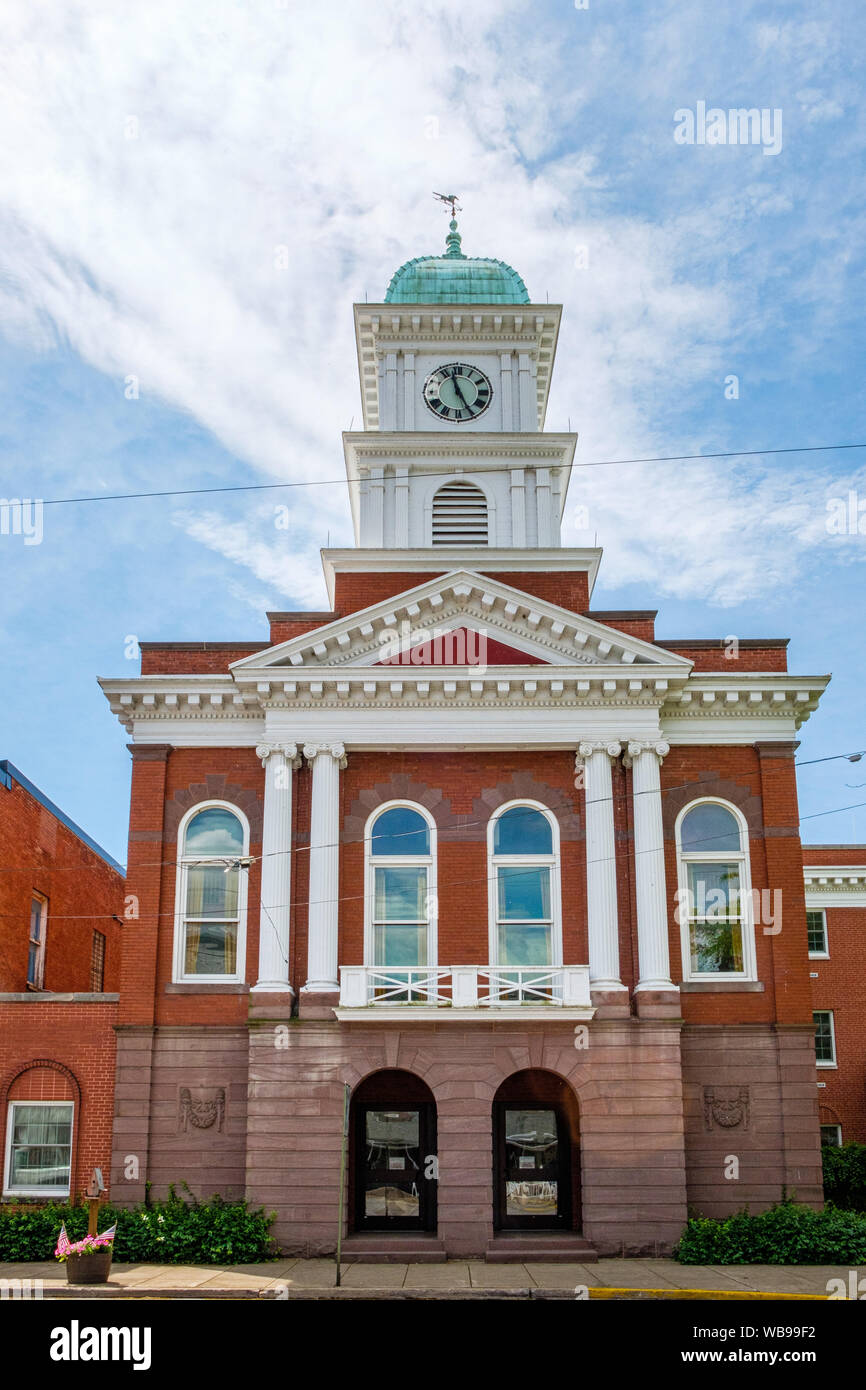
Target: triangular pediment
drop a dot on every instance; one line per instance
(539, 632)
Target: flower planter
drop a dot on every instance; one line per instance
(91, 1268)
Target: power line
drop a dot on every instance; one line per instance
(332, 482)
(464, 825)
(358, 897)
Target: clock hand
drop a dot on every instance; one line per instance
(459, 392)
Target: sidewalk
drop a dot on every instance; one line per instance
(456, 1279)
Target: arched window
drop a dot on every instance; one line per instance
(524, 888)
(210, 920)
(460, 515)
(401, 889)
(714, 899)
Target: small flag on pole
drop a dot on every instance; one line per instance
(63, 1241)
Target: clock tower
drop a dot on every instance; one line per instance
(455, 367)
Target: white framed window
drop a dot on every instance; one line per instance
(36, 951)
(38, 1148)
(832, 1135)
(401, 899)
(211, 895)
(524, 887)
(459, 514)
(816, 930)
(714, 899)
(825, 1038)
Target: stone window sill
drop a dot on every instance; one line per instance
(722, 987)
(190, 987)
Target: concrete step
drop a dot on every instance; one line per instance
(393, 1247)
(540, 1247)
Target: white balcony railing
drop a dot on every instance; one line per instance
(460, 987)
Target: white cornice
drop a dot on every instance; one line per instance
(711, 697)
(543, 629)
(835, 885)
(476, 559)
(532, 328)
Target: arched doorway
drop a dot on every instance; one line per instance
(536, 1154)
(393, 1152)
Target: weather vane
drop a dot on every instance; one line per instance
(451, 200)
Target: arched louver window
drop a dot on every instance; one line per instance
(460, 515)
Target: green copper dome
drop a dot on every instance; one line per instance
(456, 279)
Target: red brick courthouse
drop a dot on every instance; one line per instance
(523, 876)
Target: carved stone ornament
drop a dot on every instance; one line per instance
(726, 1107)
(201, 1107)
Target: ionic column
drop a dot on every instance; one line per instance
(649, 860)
(601, 903)
(278, 760)
(326, 760)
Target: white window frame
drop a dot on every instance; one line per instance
(39, 983)
(8, 1190)
(825, 954)
(834, 1063)
(551, 861)
(832, 1125)
(403, 861)
(749, 972)
(185, 862)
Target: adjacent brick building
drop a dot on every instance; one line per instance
(61, 900)
(836, 914)
(501, 873)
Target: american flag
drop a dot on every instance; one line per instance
(63, 1242)
(110, 1233)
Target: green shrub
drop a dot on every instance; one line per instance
(169, 1232)
(845, 1175)
(787, 1234)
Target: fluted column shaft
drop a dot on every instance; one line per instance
(649, 858)
(326, 761)
(601, 896)
(278, 761)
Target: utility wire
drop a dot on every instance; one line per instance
(332, 482)
(362, 839)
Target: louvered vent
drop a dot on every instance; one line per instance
(459, 515)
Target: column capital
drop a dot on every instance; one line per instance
(585, 748)
(288, 750)
(336, 750)
(638, 746)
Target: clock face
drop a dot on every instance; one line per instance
(457, 392)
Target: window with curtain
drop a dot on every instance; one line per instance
(524, 888)
(38, 1148)
(36, 951)
(714, 897)
(400, 856)
(211, 892)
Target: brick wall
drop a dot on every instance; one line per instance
(40, 854)
(63, 1050)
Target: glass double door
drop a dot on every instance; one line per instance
(532, 1169)
(395, 1167)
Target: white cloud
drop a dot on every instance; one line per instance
(157, 158)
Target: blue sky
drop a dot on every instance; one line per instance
(155, 161)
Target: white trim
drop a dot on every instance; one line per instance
(7, 1165)
(183, 863)
(497, 560)
(742, 858)
(832, 1065)
(552, 861)
(429, 861)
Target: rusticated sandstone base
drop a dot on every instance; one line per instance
(658, 1113)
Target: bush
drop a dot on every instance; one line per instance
(169, 1232)
(787, 1234)
(845, 1175)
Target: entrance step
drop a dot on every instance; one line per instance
(393, 1248)
(540, 1247)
